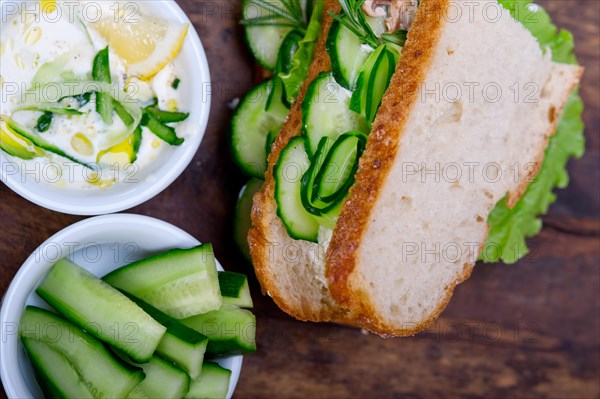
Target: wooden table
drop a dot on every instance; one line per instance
(528, 330)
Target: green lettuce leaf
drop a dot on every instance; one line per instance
(303, 56)
(510, 227)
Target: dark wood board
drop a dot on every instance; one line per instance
(522, 331)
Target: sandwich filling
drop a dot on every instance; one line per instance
(316, 170)
(338, 110)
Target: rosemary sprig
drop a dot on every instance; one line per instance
(353, 18)
(280, 13)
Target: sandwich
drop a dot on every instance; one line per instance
(420, 130)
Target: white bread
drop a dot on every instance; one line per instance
(405, 238)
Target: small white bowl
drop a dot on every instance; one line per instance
(100, 245)
(151, 180)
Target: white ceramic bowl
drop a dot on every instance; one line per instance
(151, 180)
(100, 245)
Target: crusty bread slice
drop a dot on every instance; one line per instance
(292, 272)
(436, 164)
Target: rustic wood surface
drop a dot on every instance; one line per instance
(528, 330)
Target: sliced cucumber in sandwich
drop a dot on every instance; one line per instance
(326, 112)
(235, 290)
(253, 129)
(291, 167)
(347, 54)
(213, 383)
(101, 310)
(180, 282)
(70, 362)
(230, 330)
(373, 81)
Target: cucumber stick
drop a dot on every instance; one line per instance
(326, 112)
(230, 330)
(291, 167)
(180, 282)
(101, 310)
(234, 289)
(181, 345)
(163, 381)
(243, 212)
(101, 73)
(213, 383)
(71, 361)
(54, 373)
(164, 132)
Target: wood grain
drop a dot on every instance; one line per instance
(522, 331)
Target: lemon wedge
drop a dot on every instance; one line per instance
(145, 43)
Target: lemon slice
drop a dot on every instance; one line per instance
(145, 43)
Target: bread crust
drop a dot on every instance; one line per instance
(264, 206)
(375, 165)
(555, 115)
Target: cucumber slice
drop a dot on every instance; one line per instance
(347, 54)
(55, 374)
(242, 221)
(104, 376)
(230, 330)
(163, 381)
(235, 289)
(213, 383)
(326, 112)
(337, 175)
(51, 72)
(251, 127)
(292, 165)
(181, 345)
(101, 310)
(288, 48)
(308, 192)
(275, 98)
(264, 41)
(373, 81)
(180, 282)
